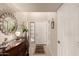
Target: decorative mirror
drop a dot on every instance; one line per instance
(8, 23)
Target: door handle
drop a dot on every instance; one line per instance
(58, 42)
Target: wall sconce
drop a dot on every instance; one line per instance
(52, 24)
(32, 31)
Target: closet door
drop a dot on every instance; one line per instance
(75, 32)
(68, 30)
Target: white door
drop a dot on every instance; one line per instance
(41, 32)
(68, 31)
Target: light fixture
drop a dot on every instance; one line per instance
(17, 33)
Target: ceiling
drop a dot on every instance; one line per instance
(31, 7)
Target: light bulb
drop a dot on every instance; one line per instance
(17, 33)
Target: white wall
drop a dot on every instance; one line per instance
(68, 29)
(53, 34)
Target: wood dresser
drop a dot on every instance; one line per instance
(21, 49)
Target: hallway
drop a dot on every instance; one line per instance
(39, 29)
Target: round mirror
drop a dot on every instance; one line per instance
(8, 23)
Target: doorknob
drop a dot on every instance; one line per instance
(58, 42)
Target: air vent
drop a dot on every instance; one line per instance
(39, 49)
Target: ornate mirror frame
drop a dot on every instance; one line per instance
(7, 15)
